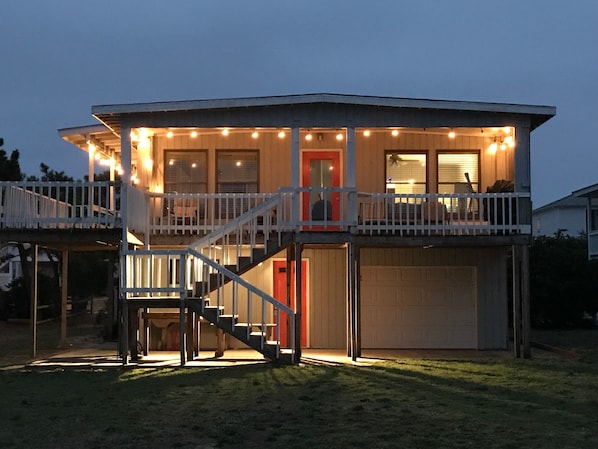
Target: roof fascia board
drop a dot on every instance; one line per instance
(322, 98)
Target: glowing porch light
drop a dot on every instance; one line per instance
(395, 132)
(238, 163)
(224, 132)
(255, 134)
(158, 188)
(451, 134)
(193, 165)
(339, 136)
(509, 141)
(366, 133)
(281, 135)
(309, 137)
(194, 134)
(492, 148)
(148, 163)
(169, 134)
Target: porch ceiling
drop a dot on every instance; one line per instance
(103, 138)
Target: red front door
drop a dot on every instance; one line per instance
(320, 170)
(280, 293)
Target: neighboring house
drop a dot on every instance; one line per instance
(566, 216)
(11, 268)
(319, 220)
(590, 196)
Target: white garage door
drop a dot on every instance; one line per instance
(418, 307)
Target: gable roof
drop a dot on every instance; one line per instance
(111, 115)
(569, 201)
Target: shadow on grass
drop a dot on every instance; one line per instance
(413, 403)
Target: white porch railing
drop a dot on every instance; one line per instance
(198, 213)
(444, 214)
(58, 205)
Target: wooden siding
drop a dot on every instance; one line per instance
(370, 156)
(275, 154)
(491, 268)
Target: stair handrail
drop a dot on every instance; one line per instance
(265, 297)
(235, 226)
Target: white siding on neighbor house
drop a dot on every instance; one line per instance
(490, 266)
(570, 220)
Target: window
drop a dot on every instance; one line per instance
(406, 172)
(455, 168)
(185, 171)
(237, 171)
(593, 220)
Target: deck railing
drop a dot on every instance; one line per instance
(58, 205)
(65, 205)
(198, 213)
(444, 214)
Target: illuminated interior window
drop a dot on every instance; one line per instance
(453, 170)
(186, 171)
(406, 172)
(237, 171)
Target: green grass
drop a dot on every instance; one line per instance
(498, 403)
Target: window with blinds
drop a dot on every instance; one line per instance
(237, 171)
(406, 172)
(185, 171)
(453, 170)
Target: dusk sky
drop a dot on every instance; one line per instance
(59, 58)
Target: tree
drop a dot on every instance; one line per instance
(10, 169)
(563, 282)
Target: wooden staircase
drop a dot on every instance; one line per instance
(255, 335)
(207, 300)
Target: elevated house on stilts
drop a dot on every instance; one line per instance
(302, 221)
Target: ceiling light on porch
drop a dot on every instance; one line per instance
(366, 133)
(451, 134)
(340, 136)
(509, 141)
(238, 163)
(169, 134)
(309, 137)
(493, 147)
(193, 134)
(255, 134)
(224, 132)
(148, 163)
(395, 132)
(281, 135)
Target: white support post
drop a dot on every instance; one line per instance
(295, 173)
(350, 178)
(34, 298)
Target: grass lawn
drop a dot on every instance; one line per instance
(499, 403)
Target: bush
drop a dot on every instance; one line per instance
(563, 282)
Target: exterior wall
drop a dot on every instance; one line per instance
(370, 157)
(491, 269)
(326, 294)
(275, 155)
(549, 221)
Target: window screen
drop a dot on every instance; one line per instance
(185, 171)
(453, 170)
(406, 172)
(237, 171)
